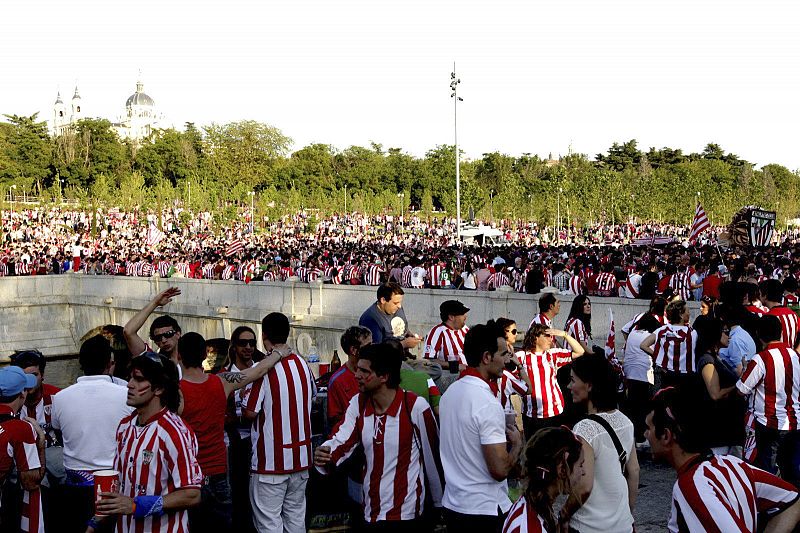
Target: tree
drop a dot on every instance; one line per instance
(244, 152)
(26, 150)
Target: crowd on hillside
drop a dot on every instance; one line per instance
(604, 260)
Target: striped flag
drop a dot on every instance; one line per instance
(611, 353)
(154, 235)
(699, 224)
(234, 247)
(611, 341)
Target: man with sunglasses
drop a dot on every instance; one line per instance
(164, 331)
(714, 492)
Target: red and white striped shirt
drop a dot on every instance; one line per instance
(722, 493)
(438, 276)
(156, 459)
(577, 330)
(372, 276)
(577, 285)
(774, 375)
(605, 284)
(545, 399)
(522, 518)
(674, 348)
(18, 450)
(401, 446)
(509, 384)
(497, 280)
(281, 434)
(790, 299)
(788, 320)
(229, 272)
(541, 318)
(445, 343)
(407, 276)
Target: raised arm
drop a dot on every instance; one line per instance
(575, 346)
(232, 381)
(131, 330)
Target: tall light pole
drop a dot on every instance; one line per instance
(345, 198)
(454, 81)
(13, 197)
(530, 208)
(402, 197)
(491, 205)
(252, 195)
(558, 217)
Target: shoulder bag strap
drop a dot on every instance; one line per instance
(621, 453)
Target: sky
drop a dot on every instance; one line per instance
(539, 77)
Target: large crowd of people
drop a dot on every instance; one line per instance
(496, 427)
(603, 260)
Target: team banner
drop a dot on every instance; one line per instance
(762, 225)
(752, 226)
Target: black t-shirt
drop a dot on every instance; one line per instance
(725, 417)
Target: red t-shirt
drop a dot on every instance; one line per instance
(711, 286)
(341, 388)
(204, 407)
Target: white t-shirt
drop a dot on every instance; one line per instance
(418, 277)
(88, 414)
(607, 509)
(469, 280)
(470, 417)
(637, 364)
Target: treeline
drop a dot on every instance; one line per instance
(215, 167)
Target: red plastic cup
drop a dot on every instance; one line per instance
(324, 368)
(105, 481)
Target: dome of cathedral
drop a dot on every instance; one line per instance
(139, 97)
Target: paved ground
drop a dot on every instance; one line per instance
(655, 492)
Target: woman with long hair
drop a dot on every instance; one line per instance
(544, 403)
(579, 321)
(553, 465)
(604, 499)
(722, 410)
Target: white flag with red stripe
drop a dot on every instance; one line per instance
(234, 247)
(699, 224)
(154, 235)
(611, 341)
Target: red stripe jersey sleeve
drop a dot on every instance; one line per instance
(22, 440)
(347, 436)
(752, 376)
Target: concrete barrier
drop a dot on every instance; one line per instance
(52, 313)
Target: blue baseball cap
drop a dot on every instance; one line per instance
(14, 380)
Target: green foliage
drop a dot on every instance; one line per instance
(214, 168)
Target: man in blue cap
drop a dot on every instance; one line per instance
(22, 444)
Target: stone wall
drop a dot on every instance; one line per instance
(54, 313)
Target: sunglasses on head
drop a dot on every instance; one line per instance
(33, 354)
(153, 356)
(246, 342)
(166, 335)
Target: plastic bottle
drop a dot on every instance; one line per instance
(313, 360)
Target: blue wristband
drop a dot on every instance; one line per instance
(93, 523)
(148, 506)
